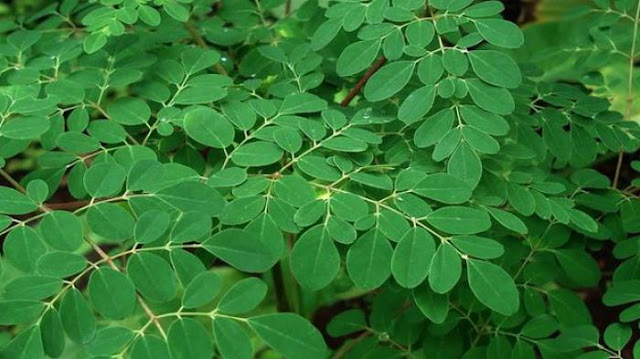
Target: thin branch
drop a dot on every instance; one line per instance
(287, 8)
(200, 41)
(616, 176)
(68, 205)
(143, 304)
(356, 90)
(13, 182)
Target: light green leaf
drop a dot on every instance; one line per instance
(256, 154)
(206, 126)
(357, 57)
(495, 68)
(111, 293)
(369, 260)
(290, 335)
(188, 339)
(243, 296)
(459, 220)
(389, 80)
(445, 269)
(201, 290)
(493, 287)
(411, 257)
(152, 276)
(315, 260)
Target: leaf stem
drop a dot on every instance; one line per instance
(356, 90)
(200, 41)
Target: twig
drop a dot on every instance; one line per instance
(356, 90)
(143, 304)
(200, 41)
(69, 205)
(13, 182)
(344, 350)
(287, 7)
(616, 176)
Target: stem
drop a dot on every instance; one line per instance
(200, 41)
(616, 176)
(356, 90)
(13, 182)
(287, 7)
(280, 288)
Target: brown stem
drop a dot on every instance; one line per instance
(356, 90)
(616, 176)
(287, 7)
(200, 41)
(68, 205)
(13, 182)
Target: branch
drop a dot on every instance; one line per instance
(200, 41)
(356, 90)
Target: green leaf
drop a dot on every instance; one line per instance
(443, 188)
(191, 226)
(417, 104)
(459, 220)
(26, 345)
(197, 59)
(60, 264)
(150, 347)
(579, 266)
(357, 57)
(302, 103)
(243, 296)
(206, 126)
(129, 111)
(32, 287)
(257, 154)
(500, 33)
(369, 260)
(495, 68)
(53, 338)
(288, 139)
(188, 339)
(290, 335)
(14, 202)
(151, 226)
(389, 80)
(231, 339)
(508, 220)
(14, 312)
(493, 287)
(479, 247)
(110, 221)
(109, 341)
(315, 260)
(104, 179)
(24, 128)
(111, 293)
(445, 269)
(193, 196)
(201, 290)
(617, 335)
(23, 247)
(434, 128)
(493, 99)
(411, 257)
(152, 276)
(434, 306)
(77, 319)
(242, 251)
(62, 230)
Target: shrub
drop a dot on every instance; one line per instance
(360, 179)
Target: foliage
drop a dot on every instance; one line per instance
(198, 178)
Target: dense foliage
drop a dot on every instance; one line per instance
(346, 179)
